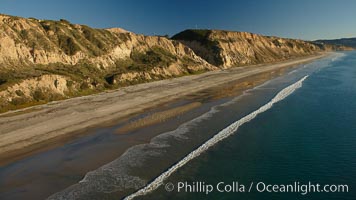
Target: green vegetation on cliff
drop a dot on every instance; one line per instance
(35, 55)
(202, 36)
(46, 60)
(228, 48)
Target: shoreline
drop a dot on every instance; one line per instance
(57, 122)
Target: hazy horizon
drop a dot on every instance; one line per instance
(307, 20)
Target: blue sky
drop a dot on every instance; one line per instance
(304, 19)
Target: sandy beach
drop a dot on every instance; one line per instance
(28, 130)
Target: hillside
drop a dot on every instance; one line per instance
(43, 60)
(228, 49)
(348, 42)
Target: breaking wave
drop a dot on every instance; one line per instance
(228, 131)
(116, 176)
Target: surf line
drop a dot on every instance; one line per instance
(228, 131)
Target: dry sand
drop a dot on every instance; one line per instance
(26, 130)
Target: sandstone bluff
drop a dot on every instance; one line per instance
(44, 60)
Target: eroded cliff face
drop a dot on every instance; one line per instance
(31, 41)
(43, 60)
(228, 49)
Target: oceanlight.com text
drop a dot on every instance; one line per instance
(261, 187)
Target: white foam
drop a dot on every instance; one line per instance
(101, 179)
(228, 131)
(337, 56)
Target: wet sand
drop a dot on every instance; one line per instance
(156, 118)
(51, 170)
(23, 133)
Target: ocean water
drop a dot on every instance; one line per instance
(310, 136)
(296, 128)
